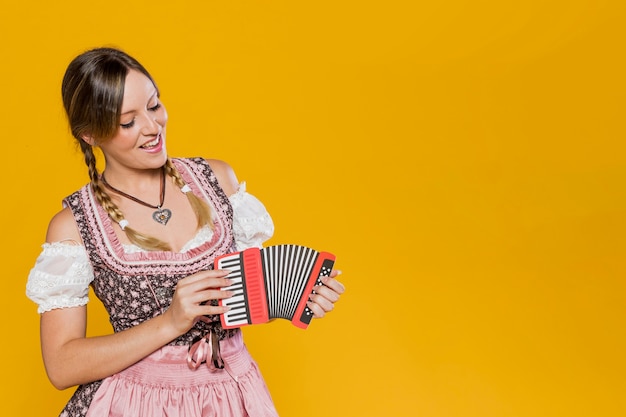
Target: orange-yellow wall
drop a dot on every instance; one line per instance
(465, 160)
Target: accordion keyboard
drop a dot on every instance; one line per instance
(238, 313)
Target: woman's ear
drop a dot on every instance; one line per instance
(88, 139)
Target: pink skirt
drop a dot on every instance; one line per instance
(163, 385)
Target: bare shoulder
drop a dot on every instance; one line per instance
(62, 227)
(225, 175)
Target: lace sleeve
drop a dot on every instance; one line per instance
(60, 277)
(252, 224)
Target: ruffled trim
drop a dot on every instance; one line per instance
(65, 302)
(239, 195)
(142, 257)
(63, 248)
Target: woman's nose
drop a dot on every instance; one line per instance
(152, 126)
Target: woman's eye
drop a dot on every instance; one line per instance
(155, 108)
(128, 125)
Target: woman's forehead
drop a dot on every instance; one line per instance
(138, 89)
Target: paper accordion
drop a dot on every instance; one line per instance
(272, 282)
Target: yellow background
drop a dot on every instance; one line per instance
(463, 159)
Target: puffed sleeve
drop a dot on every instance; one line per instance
(252, 224)
(60, 277)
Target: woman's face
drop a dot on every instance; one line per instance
(140, 139)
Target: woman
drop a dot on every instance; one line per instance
(144, 233)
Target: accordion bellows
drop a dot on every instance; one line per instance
(272, 282)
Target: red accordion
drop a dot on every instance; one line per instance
(272, 282)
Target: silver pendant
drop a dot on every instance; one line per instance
(162, 216)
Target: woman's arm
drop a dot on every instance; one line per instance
(71, 358)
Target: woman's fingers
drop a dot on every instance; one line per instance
(196, 296)
(325, 296)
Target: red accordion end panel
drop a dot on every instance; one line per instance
(272, 282)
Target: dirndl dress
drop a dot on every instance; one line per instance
(136, 285)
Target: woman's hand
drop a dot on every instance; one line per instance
(191, 300)
(325, 296)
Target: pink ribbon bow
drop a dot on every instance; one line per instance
(199, 352)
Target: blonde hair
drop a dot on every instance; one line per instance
(93, 90)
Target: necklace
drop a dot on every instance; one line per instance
(161, 215)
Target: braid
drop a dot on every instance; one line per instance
(199, 206)
(90, 159)
(136, 238)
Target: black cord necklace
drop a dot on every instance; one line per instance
(161, 215)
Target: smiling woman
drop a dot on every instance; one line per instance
(144, 234)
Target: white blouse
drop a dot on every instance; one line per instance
(62, 272)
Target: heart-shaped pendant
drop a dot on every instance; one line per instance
(162, 216)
